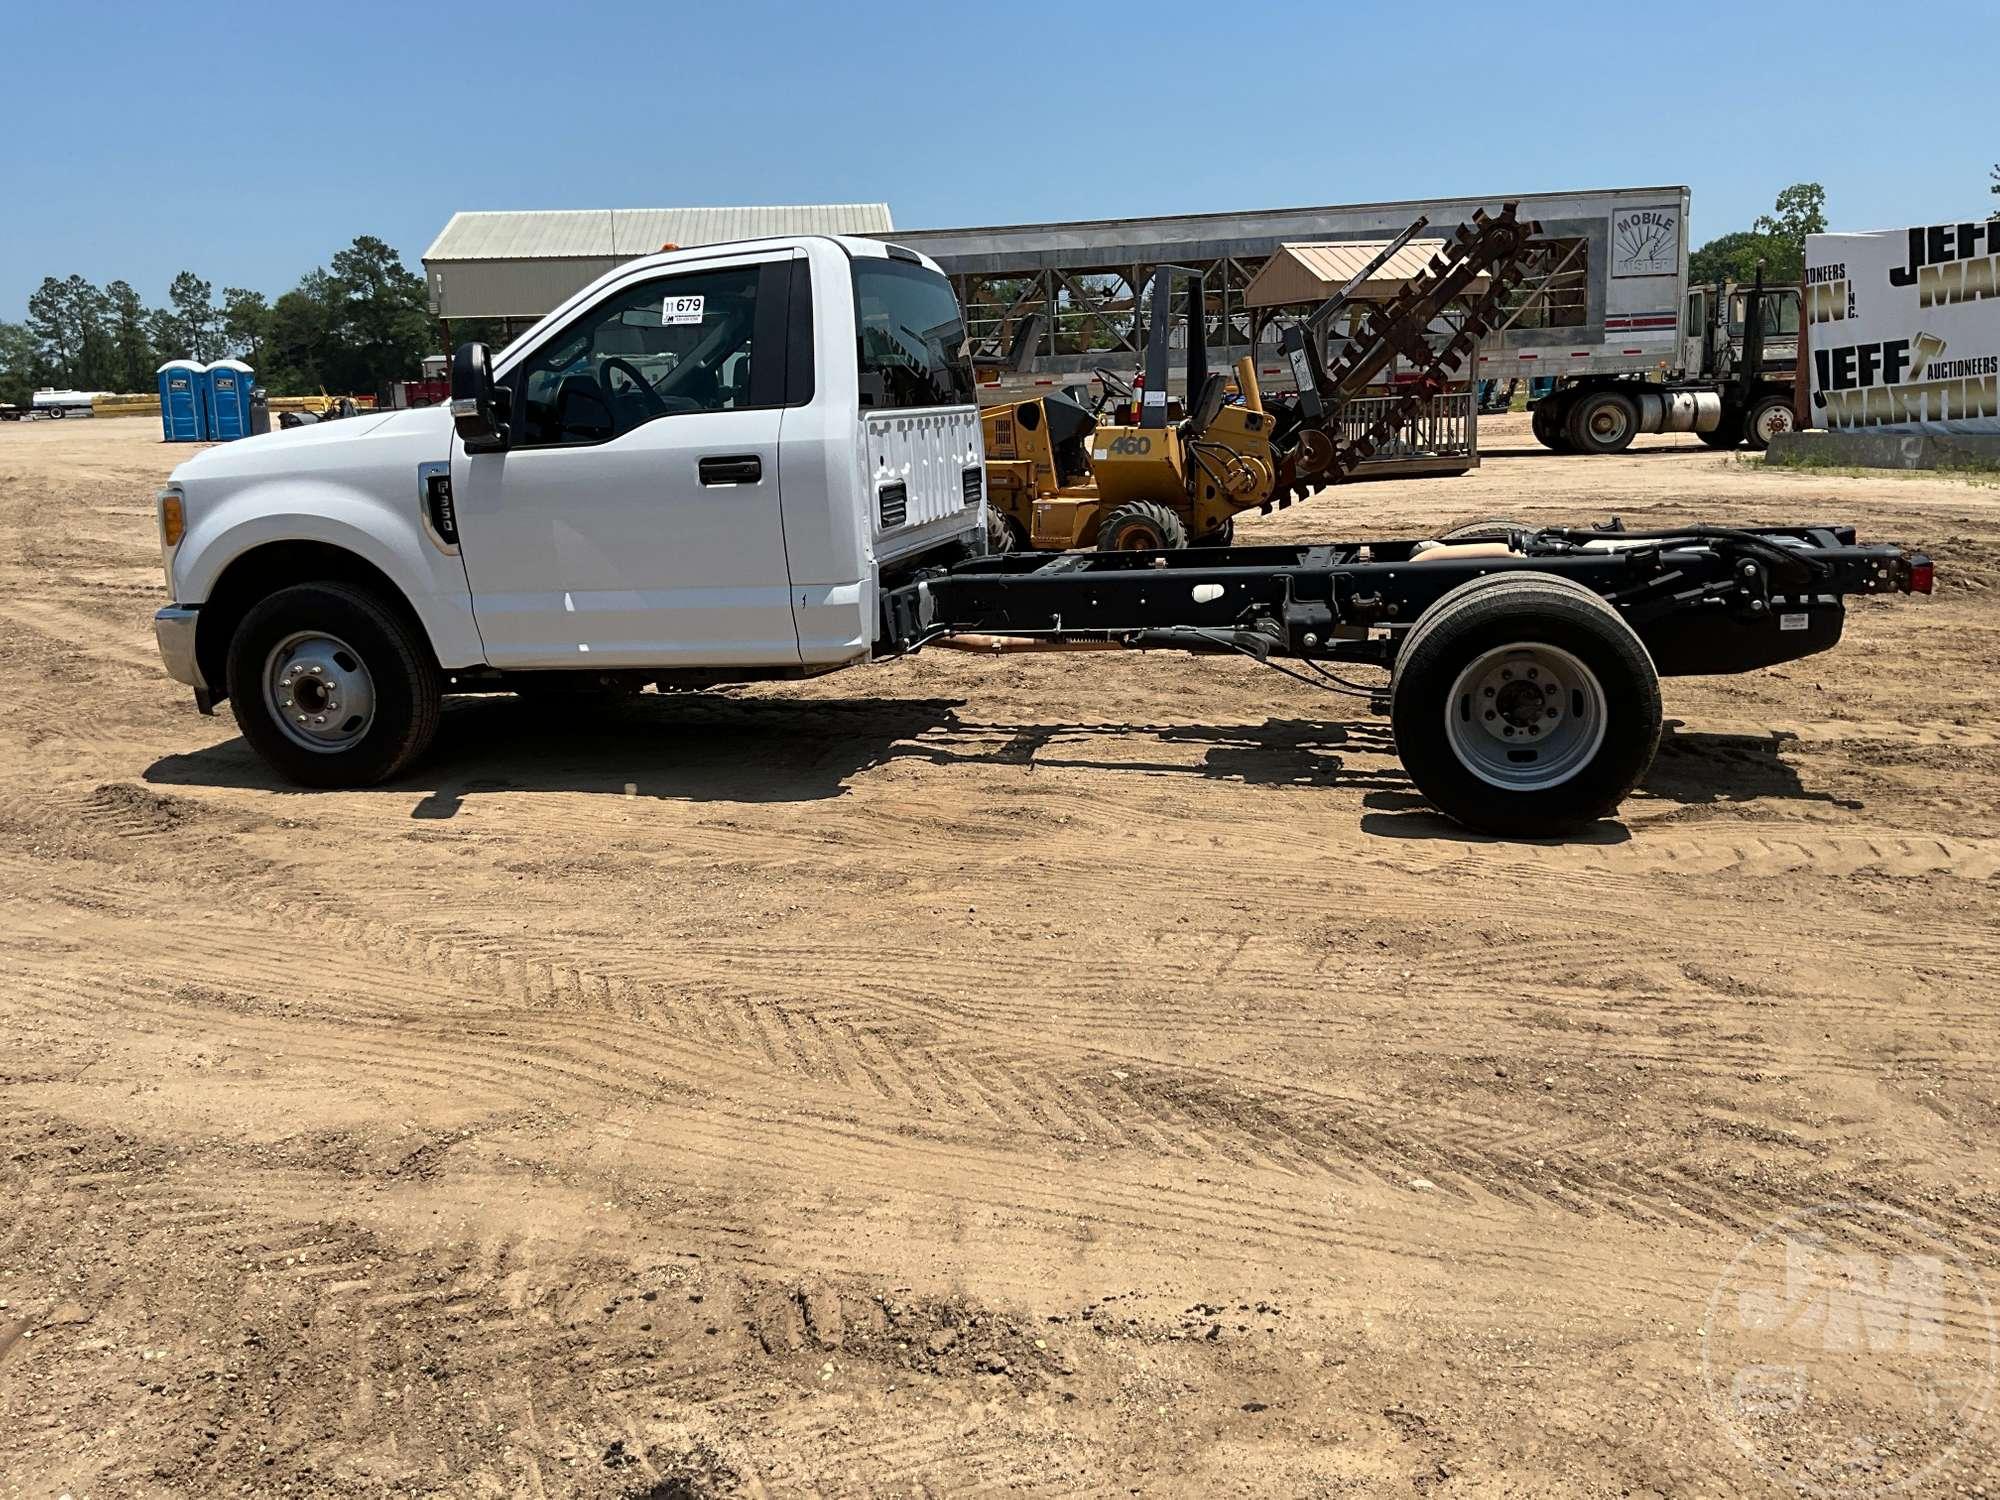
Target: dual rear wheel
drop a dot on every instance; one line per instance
(1523, 704)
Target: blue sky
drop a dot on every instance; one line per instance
(251, 147)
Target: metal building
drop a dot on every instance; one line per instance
(515, 266)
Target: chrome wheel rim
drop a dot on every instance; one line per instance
(319, 690)
(1525, 717)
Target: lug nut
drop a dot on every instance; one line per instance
(1489, 713)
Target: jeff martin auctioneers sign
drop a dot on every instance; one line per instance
(1905, 328)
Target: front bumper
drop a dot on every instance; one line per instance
(174, 628)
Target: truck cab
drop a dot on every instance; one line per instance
(1717, 321)
(703, 467)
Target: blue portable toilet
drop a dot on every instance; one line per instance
(229, 383)
(183, 401)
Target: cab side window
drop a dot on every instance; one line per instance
(674, 344)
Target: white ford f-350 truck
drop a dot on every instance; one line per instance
(762, 460)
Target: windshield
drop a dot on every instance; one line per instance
(1781, 311)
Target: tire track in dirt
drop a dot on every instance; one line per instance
(1014, 1092)
(571, 1073)
(410, 1326)
(1019, 1095)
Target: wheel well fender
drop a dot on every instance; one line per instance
(266, 568)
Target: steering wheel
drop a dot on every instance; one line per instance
(656, 404)
(1116, 390)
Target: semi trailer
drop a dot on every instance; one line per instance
(1603, 311)
(762, 461)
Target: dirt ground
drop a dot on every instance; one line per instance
(1077, 1075)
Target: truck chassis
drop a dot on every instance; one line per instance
(1524, 669)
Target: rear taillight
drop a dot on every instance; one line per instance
(1923, 574)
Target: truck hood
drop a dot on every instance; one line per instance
(348, 442)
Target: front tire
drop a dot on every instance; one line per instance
(1768, 417)
(1523, 705)
(332, 687)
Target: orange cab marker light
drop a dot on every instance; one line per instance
(173, 520)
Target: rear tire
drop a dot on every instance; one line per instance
(1727, 434)
(1602, 422)
(367, 712)
(1523, 705)
(1545, 421)
(1141, 526)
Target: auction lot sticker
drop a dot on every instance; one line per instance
(1851, 1350)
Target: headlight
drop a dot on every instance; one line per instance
(173, 517)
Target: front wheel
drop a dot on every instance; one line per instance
(1523, 705)
(1767, 419)
(331, 686)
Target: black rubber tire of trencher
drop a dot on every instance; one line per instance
(1499, 609)
(1163, 523)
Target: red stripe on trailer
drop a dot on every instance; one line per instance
(1631, 351)
(1579, 354)
(1527, 356)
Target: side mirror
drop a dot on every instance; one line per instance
(475, 409)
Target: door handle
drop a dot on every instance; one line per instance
(732, 468)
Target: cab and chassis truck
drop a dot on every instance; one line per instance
(762, 461)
